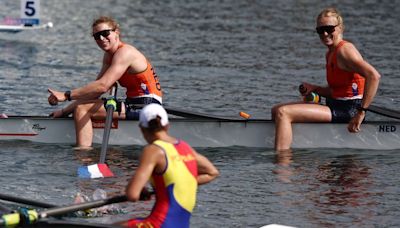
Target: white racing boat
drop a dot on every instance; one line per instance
(29, 18)
(201, 130)
(23, 27)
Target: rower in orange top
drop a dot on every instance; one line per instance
(174, 168)
(352, 85)
(122, 63)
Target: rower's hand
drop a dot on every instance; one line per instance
(307, 88)
(55, 97)
(57, 114)
(355, 123)
(145, 194)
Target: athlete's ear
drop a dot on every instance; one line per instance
(166, 127)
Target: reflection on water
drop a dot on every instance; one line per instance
(345, 187)
(283, 169)
(341, 186)
(348, 180)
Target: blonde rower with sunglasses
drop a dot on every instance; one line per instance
(352, 85)
(122, 63)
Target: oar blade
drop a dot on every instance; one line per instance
(95, 171)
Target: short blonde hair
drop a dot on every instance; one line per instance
(331, 12)
(105, 19)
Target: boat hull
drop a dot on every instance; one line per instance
(22, 27)
(210, 133)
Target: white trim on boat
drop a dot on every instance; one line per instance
(210, 132)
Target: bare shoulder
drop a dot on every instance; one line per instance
(349, 52)
(129, 49)
(152, 150)
(348, 48)
(132, 56)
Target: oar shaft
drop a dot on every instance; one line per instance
(25, 201)
(384, 111)
(191, 114)
(82, 206)
(106, 136)
(14, 219)
(111, 105)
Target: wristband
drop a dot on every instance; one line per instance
(67, 95)
(362, 109)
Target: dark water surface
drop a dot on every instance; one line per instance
(218, 57)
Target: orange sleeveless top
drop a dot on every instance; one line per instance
(343, 84)
(142, 84)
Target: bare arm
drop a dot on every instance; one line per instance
(206, 170)
(150, 158)
(109, 74)
(351, 60)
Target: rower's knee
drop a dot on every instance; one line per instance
(81, 110)
(280, 112)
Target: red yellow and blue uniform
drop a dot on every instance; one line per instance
(175, 188)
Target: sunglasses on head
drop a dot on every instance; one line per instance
(326, 28)
(103, 33)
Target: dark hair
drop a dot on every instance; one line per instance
(155, 125)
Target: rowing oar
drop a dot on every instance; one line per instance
(101, 169)
(384, 111)
(32, 216)
(25, 201)
(191, 114)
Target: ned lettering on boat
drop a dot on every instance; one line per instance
(387, 128)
